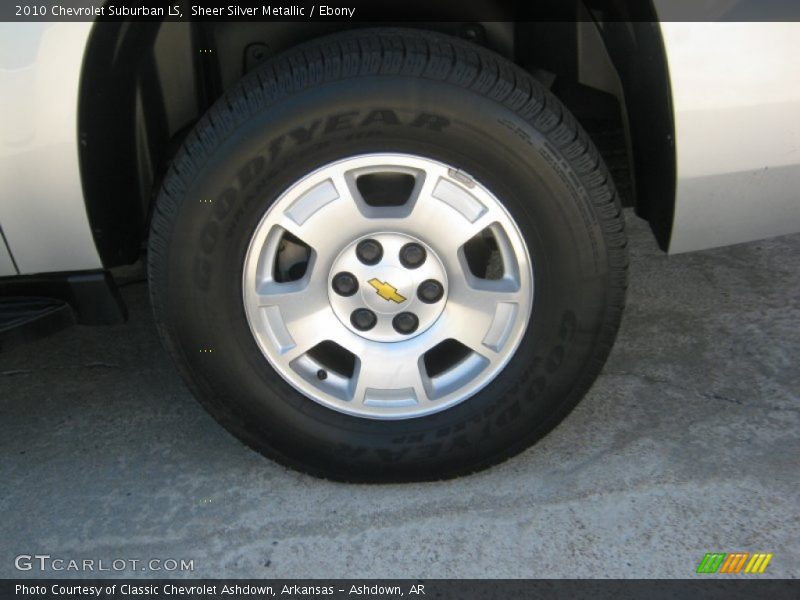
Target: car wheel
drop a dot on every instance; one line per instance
(388, 255)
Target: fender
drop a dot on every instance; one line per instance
(42, 208)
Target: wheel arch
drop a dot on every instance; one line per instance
(144, 86)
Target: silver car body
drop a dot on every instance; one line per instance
(736, 97)
(42, 211)
(736, 100)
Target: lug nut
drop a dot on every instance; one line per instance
(405, 323)
(430, 291)
(363, 319)
(369, 252)
(412, 255)
(345, 284)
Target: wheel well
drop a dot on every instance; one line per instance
(143, 87)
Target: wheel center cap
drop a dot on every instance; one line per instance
(395, 274)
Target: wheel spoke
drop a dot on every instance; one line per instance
(299, 316)
(314, 328)
(291, 295)
(490, 315)
(391, 378)
(324, 215)
(455, 215)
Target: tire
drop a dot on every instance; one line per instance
(410, 94)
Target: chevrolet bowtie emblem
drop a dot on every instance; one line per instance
(386, 291)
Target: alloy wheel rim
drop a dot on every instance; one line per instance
(433, 256)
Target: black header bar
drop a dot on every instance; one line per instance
(378, 11)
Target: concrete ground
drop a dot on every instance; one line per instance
(688, 443)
